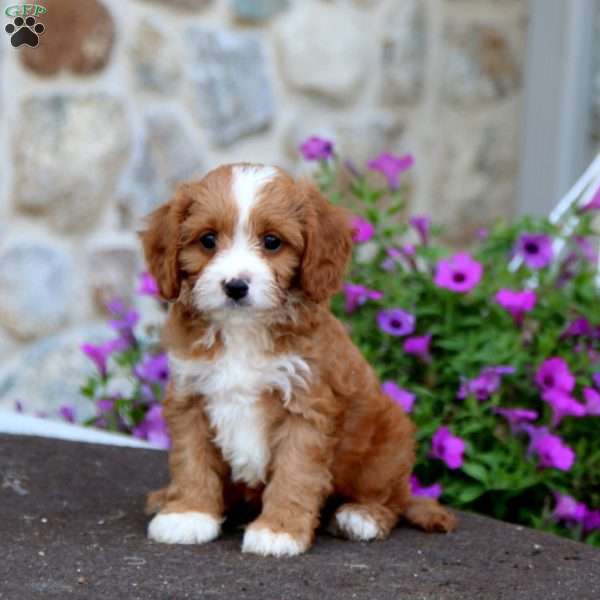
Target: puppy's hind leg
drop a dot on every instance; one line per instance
(155, 501)
(362, 522)
(429, 515)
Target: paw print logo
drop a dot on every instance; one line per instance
(24, 32)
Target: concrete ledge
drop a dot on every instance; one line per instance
(71, 525)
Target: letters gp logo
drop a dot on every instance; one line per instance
(24, 10)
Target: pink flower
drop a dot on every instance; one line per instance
(516, 303)
(517, 416)
(568, 509)
(148, 285)
(535, 249)
(356, 295)
(460, 273)
(153, 428)
(419, 346)
(396, 322)
(416, 489)
(421, 225)
(316, 148)
(447, 447)
(363, 231)
(592, 402)
(391, 167)
(400, 396)
(554, 374)
(563, 405)
(551, 450)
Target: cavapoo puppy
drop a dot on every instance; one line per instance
(270, 404)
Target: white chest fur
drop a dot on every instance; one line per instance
(232, 384)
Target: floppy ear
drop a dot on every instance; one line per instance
(161, 241)
(328, 244)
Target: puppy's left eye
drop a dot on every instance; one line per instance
(271, 242)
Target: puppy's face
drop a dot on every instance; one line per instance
(243, 237)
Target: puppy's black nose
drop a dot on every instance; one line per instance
(236, 288)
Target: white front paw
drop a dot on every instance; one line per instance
(268, 543)
(184, 528)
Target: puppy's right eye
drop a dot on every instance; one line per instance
(209, 240)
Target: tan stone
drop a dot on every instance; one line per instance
(78, 37)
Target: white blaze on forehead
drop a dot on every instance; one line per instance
(247, 184)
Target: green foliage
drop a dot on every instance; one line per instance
(470, 332)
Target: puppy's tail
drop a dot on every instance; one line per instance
(429, 515)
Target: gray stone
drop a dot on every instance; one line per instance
(188, 5)
(480, 64)
(156, 65)
(68, 153)
(36, 279)
(168, 154)
(50, 373)
(257, 10)
(113, 263)
(358, 138)
(233, 93)
(324, 49)
(404, 49)
(474, 182)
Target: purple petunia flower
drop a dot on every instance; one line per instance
(593, 204)
(153, 428)
(592, 520)
(485, 384)
(400, 396)
(362, 230)
(421, 225)
(596, 379)
(551, 450)
(153, 369)
(447, 447)
(419, 346)
(416, 489)
(148, 285)
(587, 249)
(67, 412)
(554, 374)
(592, 402)
(396, 322)
(356, 295)
(568, 509)
(105, 405)
(100, 353)
(580, 327)
(460, 273)
(516, 303)
(391, 167)
(563, 405)
(316, 148)
(517, 416)
(535, 249)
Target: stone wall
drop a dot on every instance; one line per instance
(121, 99)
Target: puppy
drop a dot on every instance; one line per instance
(269, 403)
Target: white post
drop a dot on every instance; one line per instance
(556, 143)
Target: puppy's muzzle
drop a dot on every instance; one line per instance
(236, 289)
